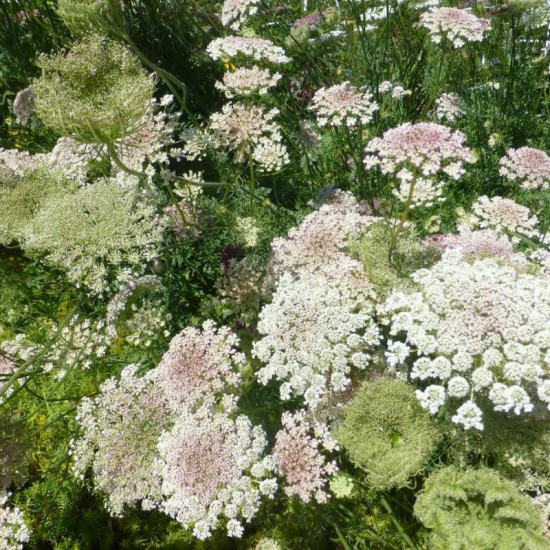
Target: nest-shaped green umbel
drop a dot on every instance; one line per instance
(98, 92)
(478, 510)
(22, 195)
(387, 433)
(85, 16)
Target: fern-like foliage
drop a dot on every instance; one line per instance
(478, 510)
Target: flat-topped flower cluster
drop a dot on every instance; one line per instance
(479, 333)
(457, 25)
(169, 440)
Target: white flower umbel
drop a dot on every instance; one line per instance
(476, 329)
(314, 332)
(459, 26)
(213, 468)
(235, 13)
(257, 49)
(13, 529)
(343, 105)
(246, 81)
(504, 216)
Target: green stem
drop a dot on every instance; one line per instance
(252, 183)
(402, 220)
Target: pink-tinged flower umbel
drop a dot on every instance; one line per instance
(459, 26)
(528, 166)
(299, 458)
(343, 105)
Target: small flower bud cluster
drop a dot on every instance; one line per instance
(457, 25)
(477, 329)
(395, 90)
(449, 107)
(343, 105)
(530, 167)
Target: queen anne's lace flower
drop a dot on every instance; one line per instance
(418, 155)
(530, 167)
(477, 244)
(258, 49)
(212, 467)
(250, 133)
(458, 25)
(396, 90)
(246, 81)
(481, 325)
(235, 13)
(449, 107)
(314, 331)
(13, 529)
(298, 457)
(321, 240)
(120, 429)
(342, 105)
(200, 366)
(97, 232)
(504, 216)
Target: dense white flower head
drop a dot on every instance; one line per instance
(528, 166)
(13, 529)
(235, 13)
(214, 468)
(418, 155)
(200, 366)
(477, 244)
(476, 329)
(250, 133)
(458, 25)
(246, 81)
(119, 433)
(425, 148)
(299, 459)
(322, 239)
(469, 415)
(341, 105)
(314, 332)
(504, 216)
(257, 49)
